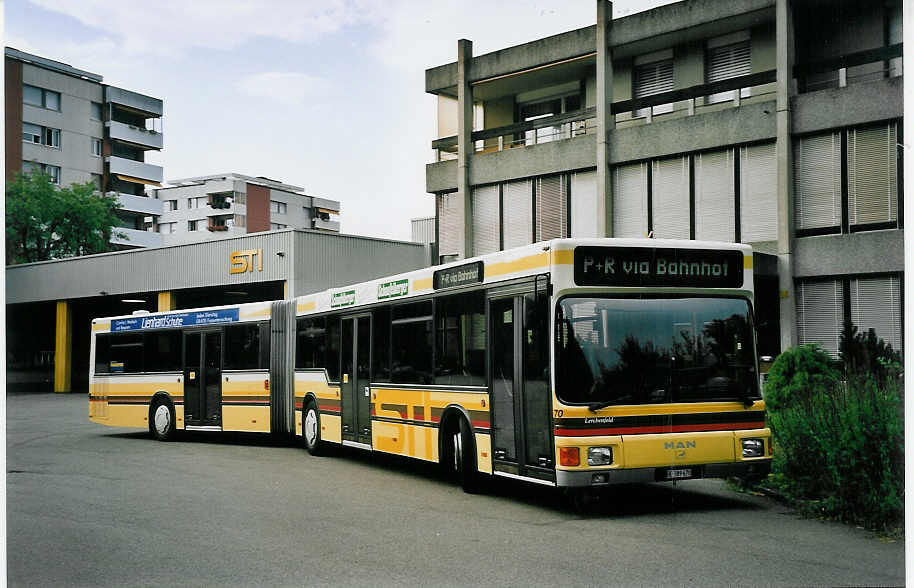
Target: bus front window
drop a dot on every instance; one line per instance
(654, 350)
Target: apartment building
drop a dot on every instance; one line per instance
(68, 123)
(770, 122)
(228, 205)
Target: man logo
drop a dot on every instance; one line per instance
(243, 261)
(678, 445)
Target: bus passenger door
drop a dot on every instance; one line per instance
(521, 401)
(203, 378)
(356, 394)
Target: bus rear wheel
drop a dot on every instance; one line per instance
(162, 420)
(311, 429)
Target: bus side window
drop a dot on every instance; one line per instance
(460, 340)
(411, 343)
(333, 347)
(162, 351)
(310, 343)
(126, 353)
(242, 347)
(264, 346)
(381, 346)
(102, 354)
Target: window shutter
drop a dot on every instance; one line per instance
(758, 193)
(551, 208)
(872, 188)
(653, 78)
(817, 181)
(876, 304)
(518, 213)
(584, 204)
(485, 220)
(715, 207)
(630, 200)
(820, 313)
(729, 61)
(670, 195)
(449, 224)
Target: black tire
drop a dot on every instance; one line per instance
(462, 455)
(162, 419)
(311, 429)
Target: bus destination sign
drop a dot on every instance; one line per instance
(176, 320)
(648, 266)
(461, 275)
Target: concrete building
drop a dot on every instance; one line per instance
(769, 122)
(195, 209)
(68, 123)
(50, 305)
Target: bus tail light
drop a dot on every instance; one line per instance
(569, 456)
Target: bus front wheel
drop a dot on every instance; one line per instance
(461, 456)
(162, 420)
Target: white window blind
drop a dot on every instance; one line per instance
(820, 313)
(485, 220)
(876, 304)
(758, 194)
(584, 204)
(630, 200)
(670, 198)
(449, 219)
(518, 213)
(715, 205)
(725, 62)
(551, 208)
(817, 181)
(872, 188)
(651, 79)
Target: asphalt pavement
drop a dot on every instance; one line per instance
(89, 505)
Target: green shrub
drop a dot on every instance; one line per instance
(838, 444)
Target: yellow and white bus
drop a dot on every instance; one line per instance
(570, 363)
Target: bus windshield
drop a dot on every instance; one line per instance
(654, 350)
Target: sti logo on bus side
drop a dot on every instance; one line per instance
(679, 445)
(243, 261)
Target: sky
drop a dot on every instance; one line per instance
(327, 95)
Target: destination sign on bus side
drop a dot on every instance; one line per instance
(176, 320)
(461, 275)
(648, 266)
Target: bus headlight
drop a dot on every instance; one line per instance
(753, 448)
(599, 456)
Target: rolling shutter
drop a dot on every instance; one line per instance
(630, 200)
(551, 208)
(486, 219)
(670, 198)
(584, 204)
(449, 219)
(729, 61)
(715, 205)
(758, 193)
(820, 313)
(518, 213)
(817, 181)
(653, 78)
(872, 188)
(876, 304)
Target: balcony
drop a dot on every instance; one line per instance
(136, 238)
(325, 225)
(139, 204)
(134, 171)
(839, 72)
(140, 103)
(136, 136)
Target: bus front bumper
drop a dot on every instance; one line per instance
(753, 469)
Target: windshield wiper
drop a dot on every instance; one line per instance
(595, 406)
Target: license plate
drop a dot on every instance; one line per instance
(678, 473)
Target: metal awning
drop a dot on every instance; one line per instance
(138, 180)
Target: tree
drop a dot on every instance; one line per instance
(44, 222)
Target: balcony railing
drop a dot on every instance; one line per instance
(833, 72)
(141, 204)
(583, 122)
(134, 169)
(136, 238)
(141, 137)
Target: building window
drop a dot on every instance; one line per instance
(278, 207)
(630, 200)
(653, 74)
(33, 166)
(583, 204)
(38, 135)
(715, 196)
(847, 180)
(517, 209)
(167, 228)
(96, 147)
(278, 226)
(727, 57)
(95, 111)
(171, 205)
(240, 220)
(670, 198)
(197, 202)
(54, 172)
(35, 96)
(486, 220)
(194, 225)
(448, 224)
(545, 109)
(758, 193)
(551, 202)
(97, 181)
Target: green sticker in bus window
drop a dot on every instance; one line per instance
(508, 316)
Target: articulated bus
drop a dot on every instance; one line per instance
(570, 363)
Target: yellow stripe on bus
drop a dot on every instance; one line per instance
(563, 257)
(539, 260)
(747, 262)
(422, 284)
(306, 306)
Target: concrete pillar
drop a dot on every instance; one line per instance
(606, 122)
(464, 144)
(784, 152)
(166, 301)
(63, 348)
